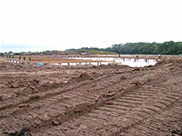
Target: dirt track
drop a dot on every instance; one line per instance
(90, 100)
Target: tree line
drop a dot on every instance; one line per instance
(172, 48)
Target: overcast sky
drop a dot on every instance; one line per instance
(61, 24)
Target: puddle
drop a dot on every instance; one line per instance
(132, 62)
(121, 61)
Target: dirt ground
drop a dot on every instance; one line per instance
(91, 100)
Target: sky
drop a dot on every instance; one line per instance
(37, 25)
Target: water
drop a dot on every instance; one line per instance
(133, 62)
(137, 62)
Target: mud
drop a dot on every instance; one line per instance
(91, 100)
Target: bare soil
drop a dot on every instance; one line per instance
(91, 100)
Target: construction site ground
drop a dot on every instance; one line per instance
(108, 100)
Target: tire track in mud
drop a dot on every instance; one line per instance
(131, 116)
(109, 112)
(159, 124)
(58, 91)
(107, 120)
(169, 99)
(63, 118)
(131, 88)
(48, 94)
(152, 111)
(32, 98)
(24, 118)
